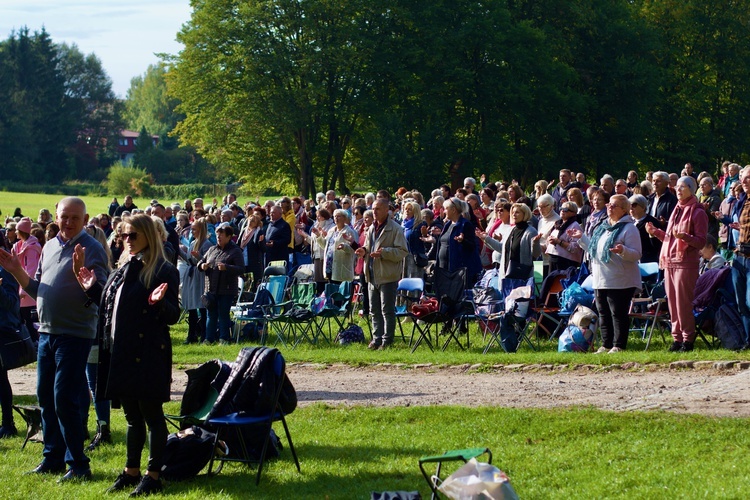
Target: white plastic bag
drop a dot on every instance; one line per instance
(478, 480)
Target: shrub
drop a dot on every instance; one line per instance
(123, 180)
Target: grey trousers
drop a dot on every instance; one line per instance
(383, 311)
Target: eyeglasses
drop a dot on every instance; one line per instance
(612, 206)
(499, 209)
(130, 236)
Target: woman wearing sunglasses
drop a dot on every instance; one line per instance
(137, 304)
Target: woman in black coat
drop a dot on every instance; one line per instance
(250, 241)
(137, 305)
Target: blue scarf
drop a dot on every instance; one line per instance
(608, 231)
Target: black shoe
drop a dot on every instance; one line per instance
(675, 347)
(45, 468)
(687, 346)
(124, 480)
(147, 486)
(7, 431)
(102, 436)
(72, 476)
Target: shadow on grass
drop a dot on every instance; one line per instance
(362, 469)
(320, 396)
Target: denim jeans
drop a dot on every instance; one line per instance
(383, 311)
(61, 379)
(741, 282)
(218, 318)
(101, 407)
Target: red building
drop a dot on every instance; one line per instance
(126, 145)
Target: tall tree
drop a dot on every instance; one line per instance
(148, 105)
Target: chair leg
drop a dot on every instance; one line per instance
(291, 445)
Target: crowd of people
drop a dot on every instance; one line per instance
(98, 293)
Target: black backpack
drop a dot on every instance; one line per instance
(187, 452)
(728, 327)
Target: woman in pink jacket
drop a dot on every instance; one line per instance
(682, 241)
(29, 251)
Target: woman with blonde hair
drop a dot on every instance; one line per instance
(138, 303)
(540, 188)
(193, 284)
(414, 230)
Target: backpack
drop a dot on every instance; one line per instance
(187, 452)
(353, 333)
(728, 327)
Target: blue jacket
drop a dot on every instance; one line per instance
(461, 254)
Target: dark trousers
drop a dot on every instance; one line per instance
(6, 399)
(139, 414)
(613, 305)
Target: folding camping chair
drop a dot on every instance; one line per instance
(296, 319)
(202, 391)
(337, 309)
(239, 421)
(270, 291)
(32, 415)
(449, 290)
(408, 292)
(648, 312)
(509, 317)
(716, 290)
(449, 456)
(548, 311)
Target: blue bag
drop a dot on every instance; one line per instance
(574, 295)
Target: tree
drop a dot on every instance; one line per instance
(94, 108)
(147, 103)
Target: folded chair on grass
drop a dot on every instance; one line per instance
(449, 290)
(32, 415)
(449, 456)
(243, 406)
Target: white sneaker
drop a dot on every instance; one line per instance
(601, 350)
(614, 350)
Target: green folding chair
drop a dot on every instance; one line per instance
(449, 456)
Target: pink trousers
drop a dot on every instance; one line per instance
(680, 287)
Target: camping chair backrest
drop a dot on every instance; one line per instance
(450, 284)
(276, 285)
(339, 295)
(302, 294)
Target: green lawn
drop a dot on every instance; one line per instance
(349, 452)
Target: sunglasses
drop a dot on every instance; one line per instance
(129, 236)
(565, 210)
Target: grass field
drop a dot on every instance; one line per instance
(31, 203)
(346, 453)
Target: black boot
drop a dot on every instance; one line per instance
(102, 436)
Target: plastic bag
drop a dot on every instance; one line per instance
(477, 480)
(574, 295)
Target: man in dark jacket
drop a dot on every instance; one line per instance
(127, 206)
(663, 201)
(278, 236)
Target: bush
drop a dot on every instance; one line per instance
(123, 180)
(71, 189)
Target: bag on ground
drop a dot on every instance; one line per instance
(728, 327)
(477, 480)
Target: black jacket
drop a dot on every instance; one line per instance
(281, 234)
(664, 208)
(223, 282)
(139, 363)
(650, 247)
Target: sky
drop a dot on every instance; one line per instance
(125, 34)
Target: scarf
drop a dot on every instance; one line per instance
(608, 231)
(246, 236)
(110, 294)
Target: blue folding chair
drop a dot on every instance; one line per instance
(408, 292)
(238, 422)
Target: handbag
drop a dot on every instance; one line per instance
(420, 259)
(208, 299)
(16, 348)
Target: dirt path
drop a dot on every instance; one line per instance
(718, 390)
